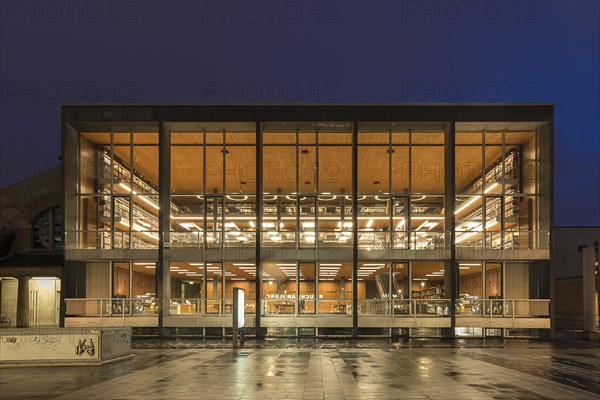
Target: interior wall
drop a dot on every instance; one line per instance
(142, 284)
(493, 284)
(97, 279)
(471, 285)
(516, 277)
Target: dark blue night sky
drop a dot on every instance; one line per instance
(303, 52)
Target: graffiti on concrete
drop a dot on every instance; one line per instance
(85, 346)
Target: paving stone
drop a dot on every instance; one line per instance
(331, 370)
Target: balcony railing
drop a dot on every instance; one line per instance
(492, 308)
(288, 307)
(106, 240)
(367, 240)
(96, 307)
(488, 308)
(397, 308)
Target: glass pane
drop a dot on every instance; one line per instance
(427, 280)
(214, 288)
(279, 170)
(469, 168)
(307, 169)
(335, 169)
(335, 287)
(307, 288)
(527, 144)
(214, 169)
(237, 276)
(426, 222)
(427, 167)
(400, 281)
(145, 165)
(470, 283)
(374, 282)
(121, 280)
(279, 287)
(400, 169)
(187, 169)
(493, 280)
(240, 169)
(373, 169)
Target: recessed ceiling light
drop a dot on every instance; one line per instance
(376, 182)
(304, 151)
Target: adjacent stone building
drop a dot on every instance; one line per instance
(31, 251)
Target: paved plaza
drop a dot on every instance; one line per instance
(324, 369)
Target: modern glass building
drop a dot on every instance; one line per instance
(392, 220)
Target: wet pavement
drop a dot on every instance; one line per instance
(325, 369)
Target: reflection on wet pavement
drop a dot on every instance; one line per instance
(321, 369)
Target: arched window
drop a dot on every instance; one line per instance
(47, 230)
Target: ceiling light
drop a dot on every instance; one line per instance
(491, 187)
(329, 265)
(333, 197)
(238, 198)
(369, 223)
(467, 204)
(243, 264)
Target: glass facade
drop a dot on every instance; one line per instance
(330, 218)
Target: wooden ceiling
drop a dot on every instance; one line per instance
(335, 161)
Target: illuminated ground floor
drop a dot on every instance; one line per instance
(496, 299)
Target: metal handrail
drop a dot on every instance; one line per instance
(397, 308)
(498, 240)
